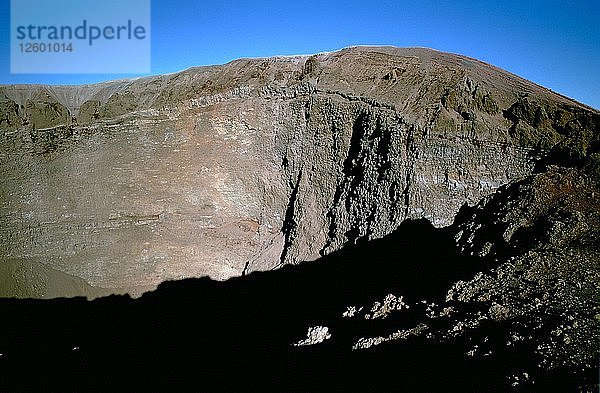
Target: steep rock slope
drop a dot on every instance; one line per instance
(533, 292)
(260, 162)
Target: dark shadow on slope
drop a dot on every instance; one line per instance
(202, 335)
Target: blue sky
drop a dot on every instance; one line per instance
(555, 43)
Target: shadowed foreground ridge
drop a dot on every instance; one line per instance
(229, 169)
(414, 311)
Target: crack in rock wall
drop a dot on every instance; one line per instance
(365, 169)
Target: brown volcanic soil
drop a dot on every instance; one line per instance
(26, 279)
(260, 162)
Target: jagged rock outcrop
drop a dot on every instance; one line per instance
(227, 169)
(544, 231)
(536, 295)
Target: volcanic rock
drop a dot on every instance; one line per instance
(223, 170)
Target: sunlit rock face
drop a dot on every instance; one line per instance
(223, 170)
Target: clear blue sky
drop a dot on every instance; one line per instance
(555, 43)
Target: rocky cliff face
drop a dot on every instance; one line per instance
(224, 170)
